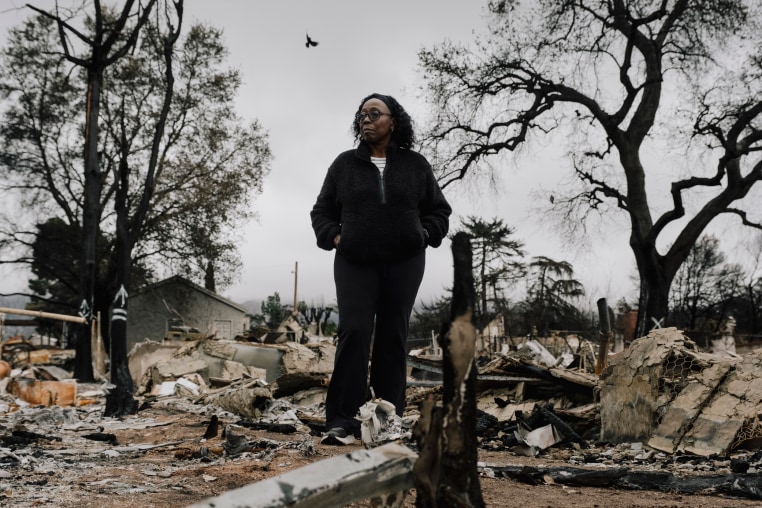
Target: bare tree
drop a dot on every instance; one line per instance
(620, 81)
(112, 38)
(704, 286)
(749, 313)
(165, 190)
(209, 150)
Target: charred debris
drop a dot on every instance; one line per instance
(661, 414)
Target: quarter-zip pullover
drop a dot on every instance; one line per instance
(381, 216)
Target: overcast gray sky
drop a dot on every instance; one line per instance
(305, 99)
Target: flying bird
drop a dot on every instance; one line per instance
(310, 42)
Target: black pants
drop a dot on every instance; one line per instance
(375, 301)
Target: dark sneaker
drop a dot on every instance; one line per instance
(338, 436)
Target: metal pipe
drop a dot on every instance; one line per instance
(46, 315)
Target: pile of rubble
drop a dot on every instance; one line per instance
(661, 407)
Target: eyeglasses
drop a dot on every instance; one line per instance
(373, 115)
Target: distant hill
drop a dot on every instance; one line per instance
(253, 306)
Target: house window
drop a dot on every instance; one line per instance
(223, 329)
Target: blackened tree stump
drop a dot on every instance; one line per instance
(446, 471)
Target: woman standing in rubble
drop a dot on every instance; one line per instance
(379, 207)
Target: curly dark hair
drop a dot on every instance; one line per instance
(403, 134)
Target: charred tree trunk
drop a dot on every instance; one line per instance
(653, 305)
(119, 401)
(446, 472)
(655, 282)
(91, 215)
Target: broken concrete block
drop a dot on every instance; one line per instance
(174, 368)
(234, 370)
(145, 354)
(219, 349)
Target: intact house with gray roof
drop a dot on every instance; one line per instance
(174, 302)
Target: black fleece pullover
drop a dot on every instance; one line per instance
(381, 217)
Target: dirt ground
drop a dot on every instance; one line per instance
(160, 459)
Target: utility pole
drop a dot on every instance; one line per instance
(296, 273)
